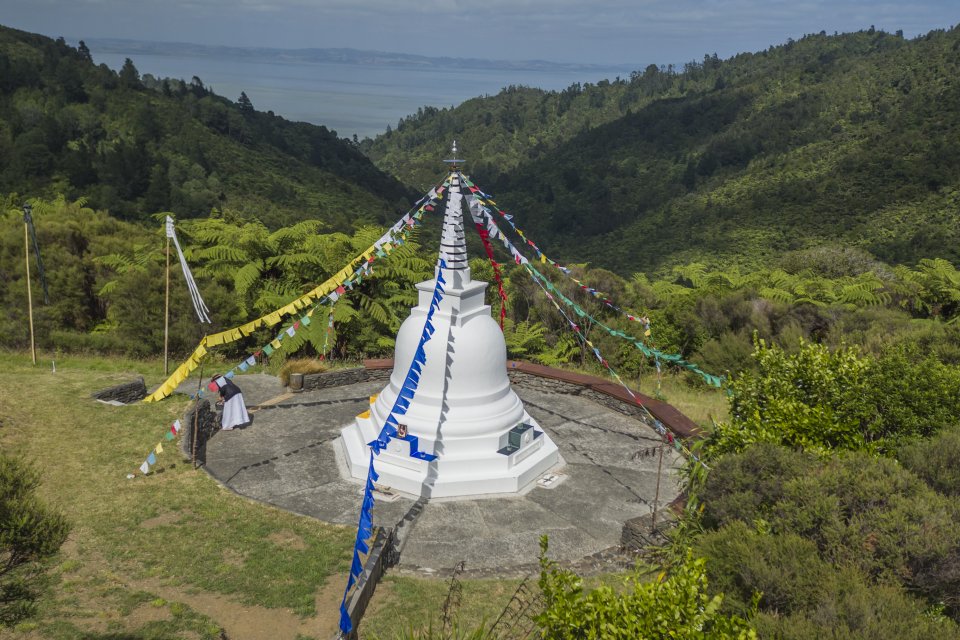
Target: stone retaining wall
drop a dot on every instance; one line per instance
(342, 377)
(207, 424)
(127, 393)
(526, 380)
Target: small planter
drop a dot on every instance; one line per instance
(296, 382)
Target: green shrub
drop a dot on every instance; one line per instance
(745, 487)
(820, 399)
(859, 511)
(814, 399)
(935, 460)
(806, 597)
(674, 606)
(30, 534)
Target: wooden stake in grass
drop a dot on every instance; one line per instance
(166, 316)
(26, 258)
(196, 418)
(656, 497)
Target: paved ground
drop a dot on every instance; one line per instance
(289, 457)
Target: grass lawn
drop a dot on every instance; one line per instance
(173, 554)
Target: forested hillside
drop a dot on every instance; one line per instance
(848, 139)
(135, 146)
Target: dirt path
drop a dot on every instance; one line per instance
(239, 621)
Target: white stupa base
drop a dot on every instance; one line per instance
(484, 470)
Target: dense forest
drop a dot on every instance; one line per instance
(137, 145)
(846, 139)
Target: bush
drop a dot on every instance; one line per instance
(674, 606)
(813, 399)
(819, 400)
(862, 512)
(30, 534)
(935, 460)
(806, 597)
(299, 365)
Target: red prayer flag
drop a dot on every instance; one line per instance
(213, 386)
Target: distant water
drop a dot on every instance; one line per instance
(349, 98)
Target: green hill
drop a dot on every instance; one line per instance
(848, 139)
(136, 146)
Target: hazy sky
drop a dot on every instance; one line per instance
(635, 32)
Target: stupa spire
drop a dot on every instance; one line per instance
(453, 244)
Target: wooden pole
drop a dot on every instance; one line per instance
(196, 419)
(656, 499)
(26, 257)
(166, 318)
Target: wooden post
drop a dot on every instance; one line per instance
(196, 419)
(26, 258)
(656, 498)
(166, 317)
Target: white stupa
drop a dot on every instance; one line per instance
(468, 433)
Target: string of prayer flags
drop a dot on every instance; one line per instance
(41, 273)
(338, 284)
(408, 389)
(657, 425)
(203, 313)
(151, 459)
(552, 292)
(483, 200)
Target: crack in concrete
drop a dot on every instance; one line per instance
(286, 454)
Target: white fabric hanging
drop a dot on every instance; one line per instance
(198, 305)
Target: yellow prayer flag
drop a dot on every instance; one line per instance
(215, 339)
(159, 447)
(647, 333)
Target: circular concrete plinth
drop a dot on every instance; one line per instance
(288, 458)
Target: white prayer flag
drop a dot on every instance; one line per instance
(198, 305)
(145, 468)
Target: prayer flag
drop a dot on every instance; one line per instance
(198, 305)
(177, 426)
(244, 366)
(144, 468)
(168, 435)
(291, 331)
(152, 459)
(159, 448)
(305, 321)
(268, 349)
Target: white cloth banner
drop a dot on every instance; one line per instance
(198, 305)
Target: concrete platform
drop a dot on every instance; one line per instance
(288, 457)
